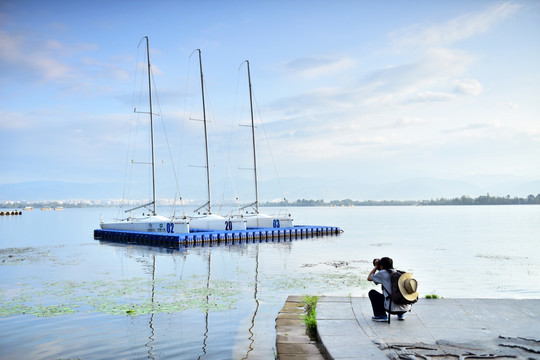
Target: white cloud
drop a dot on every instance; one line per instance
(512, 105)
(313, 67)
(48, 59)
(16, 52)
(406, 121)
(457, 29)
(468, 87)
(15, 121)
(107, 69)
(432, 96)
(400, 123)
(317, 101)
(413, 81)
(438, 74)
(471, 127)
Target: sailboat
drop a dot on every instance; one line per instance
(151, 221)
(256, 219)
(207, 220)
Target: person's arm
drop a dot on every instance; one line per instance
(370, 276)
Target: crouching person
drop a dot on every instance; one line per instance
(404, 286)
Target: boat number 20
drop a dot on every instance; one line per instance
(276, 223)
(228, 225)
(170, 228)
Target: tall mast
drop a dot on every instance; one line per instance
(253, 137)
(151, 130)
(205, 136)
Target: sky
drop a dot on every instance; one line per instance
(346, 92)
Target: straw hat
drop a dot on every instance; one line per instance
(408, 286)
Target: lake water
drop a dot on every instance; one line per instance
(66, 295)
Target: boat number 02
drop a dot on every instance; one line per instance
(170, 228)
(276, 223)
(228, 225)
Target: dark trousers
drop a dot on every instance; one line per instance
(377, 303)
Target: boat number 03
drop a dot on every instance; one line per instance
(170, 228)
(276, 223)
(228, 225)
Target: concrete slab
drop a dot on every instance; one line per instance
(338, 327)
(442, 327)
(340, 347)
(333, 310)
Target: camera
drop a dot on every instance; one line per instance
(375, 261)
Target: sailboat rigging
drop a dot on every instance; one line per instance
(151, 222)
(257, 219)
(208, 220)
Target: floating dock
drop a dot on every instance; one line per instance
(202, 237)
(10, 212)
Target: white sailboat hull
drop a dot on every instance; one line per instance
(267, 221)
(216, 222)
(154, 223)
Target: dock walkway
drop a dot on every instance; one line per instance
(435, 329)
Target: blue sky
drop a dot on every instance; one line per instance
(369, 91)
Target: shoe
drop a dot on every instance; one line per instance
(401, 316)
(380, 318)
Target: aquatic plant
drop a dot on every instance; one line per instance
(133, 296)
(310, 318)
(310, 302)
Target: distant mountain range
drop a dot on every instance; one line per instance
(294, 188)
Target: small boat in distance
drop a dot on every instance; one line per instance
(28, 208)
(255, 219)
(58, 208)
(46, 208)
(151, 221)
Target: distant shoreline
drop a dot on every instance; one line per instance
(463, 200)
(460, 201)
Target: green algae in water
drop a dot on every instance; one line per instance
(321, 281)
(124, 297)
(167, 294)
(32, 255)
(52, 310)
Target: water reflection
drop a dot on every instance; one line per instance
(149, 344)
(256, 285)
(159, 255)
(145, 249)
(207, 303)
